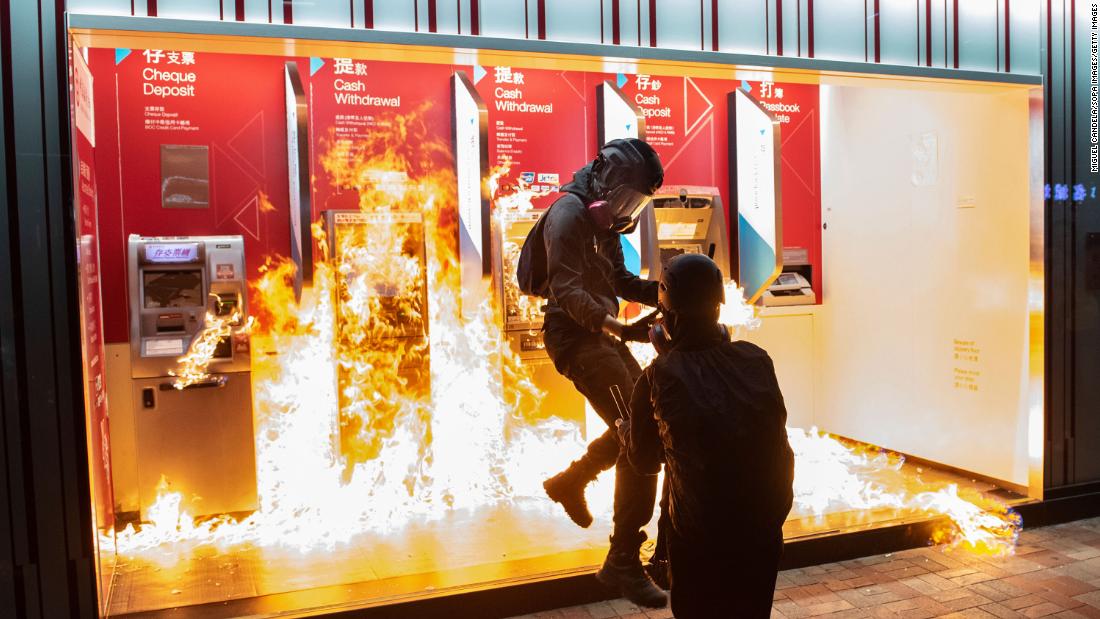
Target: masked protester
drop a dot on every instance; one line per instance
(585, 273)
(712, 411)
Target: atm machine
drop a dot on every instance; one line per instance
(198, 438)
(684, 219)
(523, 318)
(381, 308)
(489, 245)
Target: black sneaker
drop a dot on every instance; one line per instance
(626, 574)
(567, 488)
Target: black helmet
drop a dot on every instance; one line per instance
(691, 285)
(625, 175)
(630, 162)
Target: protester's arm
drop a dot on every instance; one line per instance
(565, 236)
(627, 285)
(644, 448)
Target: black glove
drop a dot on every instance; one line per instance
(638, 331)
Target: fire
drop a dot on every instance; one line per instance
(192, 365)
(834, 476)
(376, 404)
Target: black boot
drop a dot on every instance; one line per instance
(622, 570)
(567, 488)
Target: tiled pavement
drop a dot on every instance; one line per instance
(1055, 573)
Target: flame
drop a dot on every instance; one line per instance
(265, 203)
(377, 403)
(191, 367)
(831, 475)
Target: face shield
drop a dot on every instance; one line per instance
(626, 204)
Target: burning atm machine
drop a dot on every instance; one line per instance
(381, 333)
(523, 317)
(684, 220)
(490, 240)
(193, 429)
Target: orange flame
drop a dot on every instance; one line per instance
(191, 367)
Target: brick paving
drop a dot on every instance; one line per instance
(1054, 573)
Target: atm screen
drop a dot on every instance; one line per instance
(172, 288)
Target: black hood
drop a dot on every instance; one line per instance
(581, 185)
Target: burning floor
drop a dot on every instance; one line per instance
(840, 488)
(373, 486)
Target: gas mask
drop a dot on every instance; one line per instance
(620, 209)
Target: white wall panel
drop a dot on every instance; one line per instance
(446, 17)
(506, 18)
(261, 11)
(193, 9)
(396, 15)
(741, 26)
(572, 20)
(105, 7)
(629, 24)
(978, 36)
(941, 178)
(898, 31)
(1025, 19)
(839, 30)
(319, 12)
(940, 34)
(678, 24)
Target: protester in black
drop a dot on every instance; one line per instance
(712, 411)
(586, 275)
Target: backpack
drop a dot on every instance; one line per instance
(531, 273)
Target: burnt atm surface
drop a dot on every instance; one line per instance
(684, 219)
(523, 319)
(381, 304)
(197, 440)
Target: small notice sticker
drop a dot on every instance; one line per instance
(676, 230)
(225, 271)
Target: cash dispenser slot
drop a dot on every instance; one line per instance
(171, 323)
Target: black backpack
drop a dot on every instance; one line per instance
(531, 267)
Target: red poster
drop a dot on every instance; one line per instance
(388, 105)
(191, 143)
(796, 108)
(687, 124)
(537, 126)
(95, 389)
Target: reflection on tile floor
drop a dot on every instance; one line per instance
(1055, 573)
(500, 543)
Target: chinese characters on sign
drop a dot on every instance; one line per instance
(155, 56)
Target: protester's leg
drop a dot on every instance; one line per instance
(689, 576)
(659, 561)
(595, 370)
(756, 570)
(724, 579)
(594, 365)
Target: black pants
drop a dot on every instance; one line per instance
(595, 362)
(724, 578)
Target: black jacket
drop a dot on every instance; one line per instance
(584, 265)
(713, 411)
